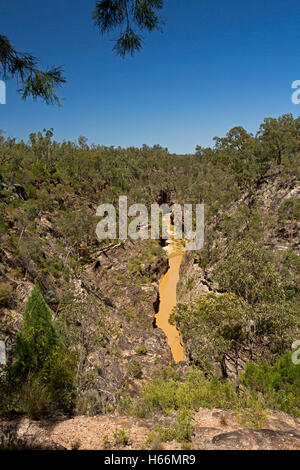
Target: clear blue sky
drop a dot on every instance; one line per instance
(217, 64)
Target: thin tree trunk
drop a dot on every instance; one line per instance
(279, 157)
(237, 381)
(224, 367)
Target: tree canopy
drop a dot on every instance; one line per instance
(130, 17)
(24, 67)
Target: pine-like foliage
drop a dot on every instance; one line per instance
(127, 15)
(38, 340)
(24, 67)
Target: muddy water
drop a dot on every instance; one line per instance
(167, 295)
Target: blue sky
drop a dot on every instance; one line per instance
(217, 64)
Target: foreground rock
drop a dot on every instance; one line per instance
(213, 430)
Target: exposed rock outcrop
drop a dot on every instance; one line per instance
(213, 430)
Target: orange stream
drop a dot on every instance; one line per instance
(167, 295)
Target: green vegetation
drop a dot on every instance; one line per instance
(249, 272)
(6, 294)
(135, 369)
(38, 341)
(181, 431)
(130, 14)
(42, 377)
(236, 337)
(288, 216)
(3, 226)
(216, 325)
(263, 387)
(278, 384)
(168, 394)
(142, 350)
(120, 437)
(255, 317)
(24, 67)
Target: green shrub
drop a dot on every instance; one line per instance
(35, 398)
(181, 431)
(3, 226)
(89, 402)
(196, 391)
(142, 350)
(171, 395)
(135, 370)
(121, 437)
(38, 339)
(154, 441)
(31, 191)
(58, 373)
(44, 370)
(6, 294)
(278, 384)
(250, 413)
(106, 442)
(125, 404)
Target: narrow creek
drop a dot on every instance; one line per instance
(167, 297)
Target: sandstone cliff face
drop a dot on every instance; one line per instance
(271, 192)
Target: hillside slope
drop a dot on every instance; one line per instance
(238, 298)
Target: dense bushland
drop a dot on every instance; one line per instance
(47, 187)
